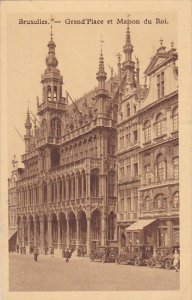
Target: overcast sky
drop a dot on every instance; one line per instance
(77, 50)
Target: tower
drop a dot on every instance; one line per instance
(53, 105)
(128, 64)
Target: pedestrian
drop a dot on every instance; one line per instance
(67, 255)
(176, 259)
(46, 250)
(36, 253)
(17, 247)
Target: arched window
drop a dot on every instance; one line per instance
(160, 202)
(55, 94)
(111, 226)
(175, 119)
(56, 127)
(128, 110)
(55, 158)
(111, 183)
(49, 93)
(135, 108)
(161, 168)
(175, 200)
(159, 125)
(94, 182)
(147, 131)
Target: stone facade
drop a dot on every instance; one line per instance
(94, 166)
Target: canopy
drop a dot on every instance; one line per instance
(12, 232)
(140, 224)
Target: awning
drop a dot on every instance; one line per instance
(140, 224)
(12, 232)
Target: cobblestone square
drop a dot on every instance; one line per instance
(80, 274)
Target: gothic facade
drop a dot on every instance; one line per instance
(94, 166)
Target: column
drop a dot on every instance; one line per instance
(77, 238)
(42, 248)
(22, 233)
(58, 191)
(28, 234)
(35, 232)
(88, 235)
(82, 187)
(49, 231)
(169, 233)
(103, 229)
(68, 237)
(49, 192)
(88, 187)
(58, 232)
(76, 188)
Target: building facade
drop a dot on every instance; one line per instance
(95, 166)
(148, 152)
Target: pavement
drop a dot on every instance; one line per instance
(80, 274)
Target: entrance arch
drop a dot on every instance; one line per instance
(82, 228)
(96, 227)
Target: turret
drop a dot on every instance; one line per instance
(128, 64)
(101, 74)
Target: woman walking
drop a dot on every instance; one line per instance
(176, 260)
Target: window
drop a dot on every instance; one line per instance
(176, 168)
(111, 226)
(175, 119)
(160, 85)
(122, 205)
(56, 127)
(128, 110)
(147, 174)
(121, 142)
(161, 168)
(147, 131)
(121, 170)
(135, 136)
(135, 169)
(49, 93)
(160, 202)
(147, 204)
(55, 94)
(176, 200)
(128, 167)
(159, 125)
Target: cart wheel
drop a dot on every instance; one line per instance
(150, 263)
(168, 264)
(137, 261)
(103, 259)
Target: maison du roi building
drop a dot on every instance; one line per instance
(104, 169)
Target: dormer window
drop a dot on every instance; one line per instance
(160, 85)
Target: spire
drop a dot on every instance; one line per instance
(28, 124)
(14, 162)
(128, 47)
(101, 74)
(51, 60)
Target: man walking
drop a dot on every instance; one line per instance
(36, 253)
(67, 255)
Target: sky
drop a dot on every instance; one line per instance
(77, 50)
